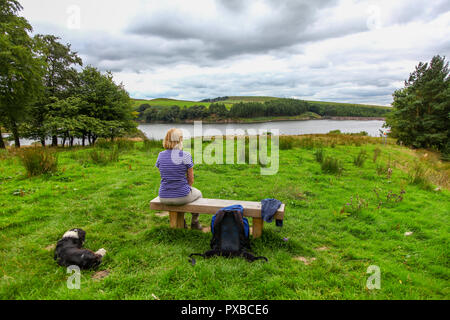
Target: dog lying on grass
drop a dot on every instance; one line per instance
(68, 251)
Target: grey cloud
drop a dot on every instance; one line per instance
(285, 27)
(169, 38)
(414, 10)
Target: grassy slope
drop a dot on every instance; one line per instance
(168, 102)
(347, 104)
(146, 257)
(231, 100)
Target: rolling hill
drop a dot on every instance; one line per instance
(233, 99)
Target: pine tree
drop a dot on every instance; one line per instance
(421, 110)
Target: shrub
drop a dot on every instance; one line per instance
(319, 155)
(360, 158)
(39, 161)
(332, 165)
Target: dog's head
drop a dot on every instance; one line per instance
(78, 235)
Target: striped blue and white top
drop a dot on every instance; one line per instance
(173, 166)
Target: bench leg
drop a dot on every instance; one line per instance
(258, 225)
(176, 220)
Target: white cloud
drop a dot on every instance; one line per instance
(347, 50)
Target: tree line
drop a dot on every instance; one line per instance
(420, 116)
(271, 108)
(45, 92)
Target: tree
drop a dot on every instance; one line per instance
(218, 109)
(21, 69)
(59, 80)
(105, 101)
(421, 110)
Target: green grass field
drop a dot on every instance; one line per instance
(346, 104)
(229, 102)
(168, 102)
(322, 252)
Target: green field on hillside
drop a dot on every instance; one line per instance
(336, 225)
(169, 102)
(346, 104)
(230, 101)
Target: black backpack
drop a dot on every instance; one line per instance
(230, 235)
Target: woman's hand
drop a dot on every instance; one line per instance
(190, 176)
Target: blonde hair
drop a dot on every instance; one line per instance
(173, 139)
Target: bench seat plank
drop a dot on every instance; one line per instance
(211, 206)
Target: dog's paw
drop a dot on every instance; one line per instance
(101, 252)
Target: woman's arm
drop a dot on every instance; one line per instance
(190, 176)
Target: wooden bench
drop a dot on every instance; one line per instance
(252, 209)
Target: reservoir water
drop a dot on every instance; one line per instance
(157, 131)
(372, 127)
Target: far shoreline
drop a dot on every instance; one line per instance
(238, 121)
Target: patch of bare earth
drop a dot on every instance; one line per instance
(50, 247)
(100, 275)
(305, 260)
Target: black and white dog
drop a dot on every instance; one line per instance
(69, 252)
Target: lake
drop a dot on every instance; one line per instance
(372, 127)
(158, 131)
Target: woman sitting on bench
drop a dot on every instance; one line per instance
(177, 174)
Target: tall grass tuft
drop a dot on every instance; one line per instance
(332, 165)
(319, 155)
(39, 161)
(3, 154)
(376, 153)
(286, 143)
(419, 175)
(124, 144)
(120, 144)
(360, 158)
(103, 143)
(309, 142)
(103, 157)
(150, 144)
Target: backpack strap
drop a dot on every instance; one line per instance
(250, 257)
(207, 254)
(245, 243)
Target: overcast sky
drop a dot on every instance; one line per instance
(329, 50)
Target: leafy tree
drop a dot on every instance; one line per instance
(59, 80)
(218, 109)
(143, 107)
(21, 69)
(63, 119)
(105, 101)
(421, 110)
